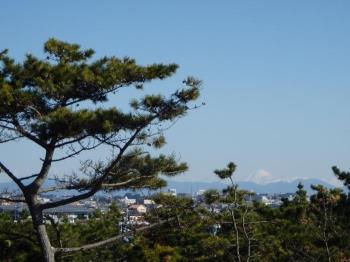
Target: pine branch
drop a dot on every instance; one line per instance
(12, 176)
(109, 240)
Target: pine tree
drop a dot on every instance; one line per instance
(59, 104)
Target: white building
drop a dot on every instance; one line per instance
(172, 191)
(128, 201)
(141, 209)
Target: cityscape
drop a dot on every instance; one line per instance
(133, 206)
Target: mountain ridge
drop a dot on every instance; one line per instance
(192, 187)
(271, 188)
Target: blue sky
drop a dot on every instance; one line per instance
(276, 76)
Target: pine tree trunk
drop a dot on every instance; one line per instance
(43, 238)
(45, 245)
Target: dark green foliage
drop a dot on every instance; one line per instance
(211, 196)
(342, 176)
(17, 240)
(186, 234)
(226, 172)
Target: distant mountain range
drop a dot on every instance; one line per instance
(193, 187)
(272, 188)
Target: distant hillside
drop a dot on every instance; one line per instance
(193, 187)
(275, 187)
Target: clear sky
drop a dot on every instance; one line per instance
(276, 75)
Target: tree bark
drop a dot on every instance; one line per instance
(45, 245)
(47, 250)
